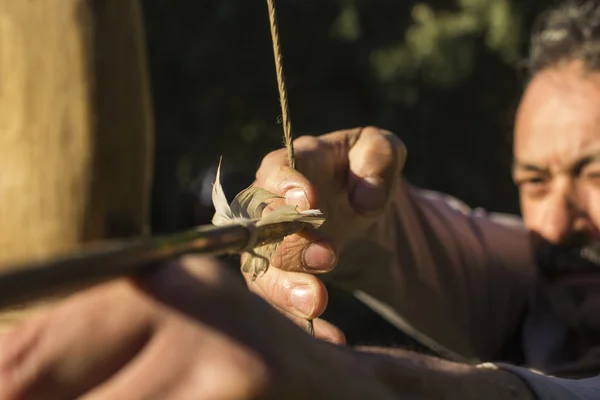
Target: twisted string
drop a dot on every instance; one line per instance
(285, 113)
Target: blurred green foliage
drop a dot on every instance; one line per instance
(444, 75)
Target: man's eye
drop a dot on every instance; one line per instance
(593, 175)
(534, 186)
(590, 172)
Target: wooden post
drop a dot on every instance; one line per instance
(75, 126)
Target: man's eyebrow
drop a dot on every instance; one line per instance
(575, 166)
(527, 166)
(587, 159)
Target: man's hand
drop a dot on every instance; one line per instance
(351, 176)
(190, 331)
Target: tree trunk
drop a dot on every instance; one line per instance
(75, 126)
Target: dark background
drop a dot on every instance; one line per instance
(444, 75)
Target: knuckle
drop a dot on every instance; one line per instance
(371, 130)
(305, 148)
(276, 288)
(375, 137)
(385, 146)
(273, 158)
(289, 254)
(307, 141)
(268, 287)
(397, 145)
(347, 136)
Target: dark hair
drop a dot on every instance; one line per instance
(568, 32)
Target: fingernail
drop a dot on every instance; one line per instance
(302, 298)
(319, 257)
(297, 197)
(369, 194)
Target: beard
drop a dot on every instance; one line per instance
(575, 261)
(570, 274)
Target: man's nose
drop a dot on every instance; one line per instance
(561, 218)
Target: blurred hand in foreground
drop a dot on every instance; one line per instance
(190, 331)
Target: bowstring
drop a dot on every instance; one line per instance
(285, 113)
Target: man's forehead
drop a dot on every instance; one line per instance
(558, 121)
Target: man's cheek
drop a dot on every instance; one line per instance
(530, 214)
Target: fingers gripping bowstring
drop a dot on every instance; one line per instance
(285, 113)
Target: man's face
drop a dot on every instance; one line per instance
(557, 170)
(557, 155)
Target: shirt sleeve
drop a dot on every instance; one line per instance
(551, 388)
(461, 277)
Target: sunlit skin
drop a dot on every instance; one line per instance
(557, 153)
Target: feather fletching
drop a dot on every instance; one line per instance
(247, 208)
